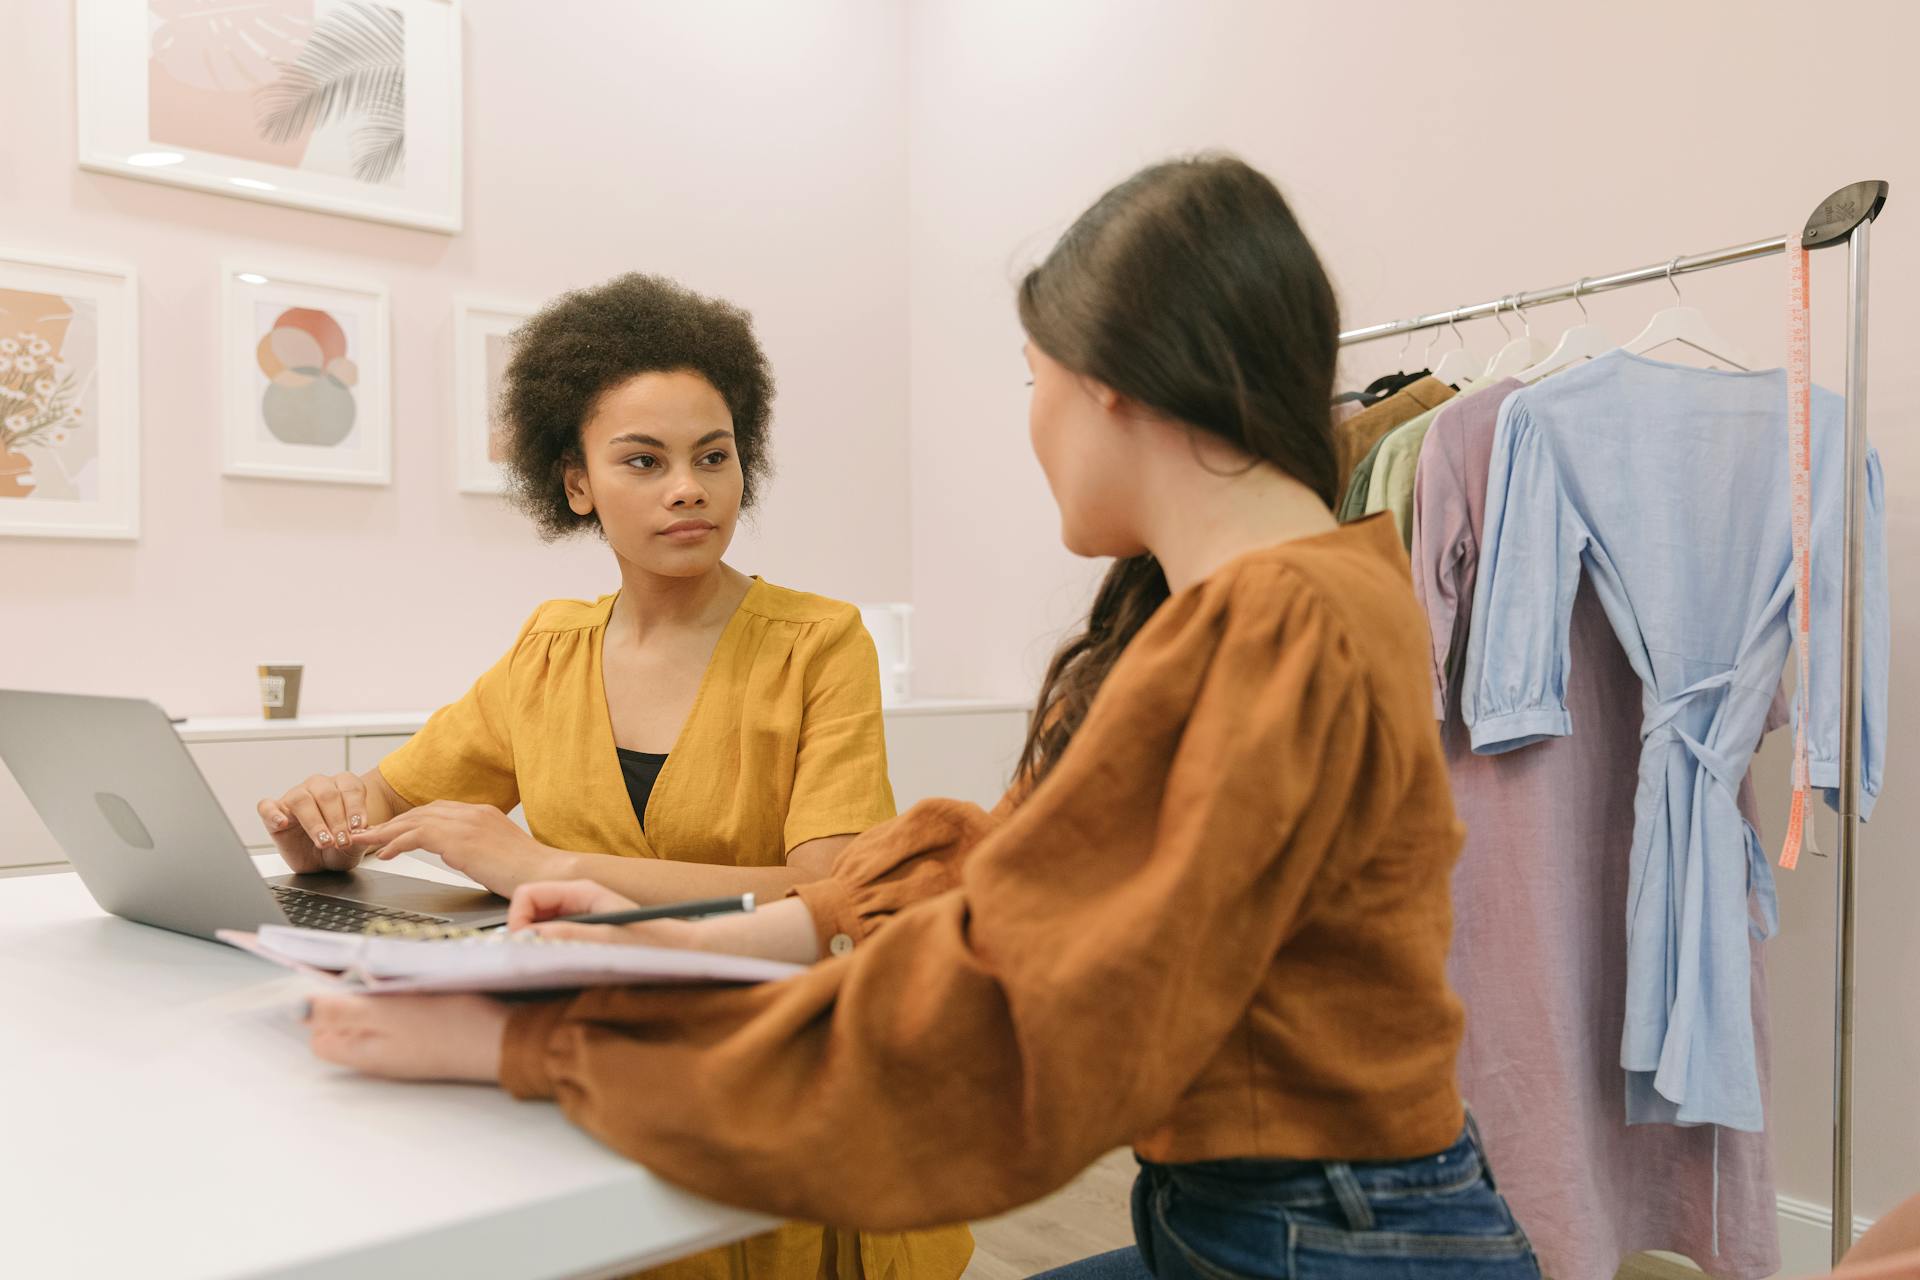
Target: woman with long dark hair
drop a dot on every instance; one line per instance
(1209, 921)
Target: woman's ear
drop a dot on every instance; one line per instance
(579, 492)
(1117, 405)
(1103, 395)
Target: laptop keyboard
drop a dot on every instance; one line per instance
(312, 910)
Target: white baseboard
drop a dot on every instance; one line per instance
(1805, 1229)
(1806, 1234)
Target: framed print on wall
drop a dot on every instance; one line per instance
(69, 399)
(482, 344)
(343, 106)
(305, 377)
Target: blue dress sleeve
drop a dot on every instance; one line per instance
(1829, 602)
(1515, 684)
(1878, 643)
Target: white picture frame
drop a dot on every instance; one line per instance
(480, 328)
(290, 410)
(70, 422)
(180, 92)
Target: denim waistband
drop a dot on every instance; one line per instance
(1299, 1183)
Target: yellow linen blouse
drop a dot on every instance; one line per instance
(784, 744)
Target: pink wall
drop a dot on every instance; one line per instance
(706, 141)
(811, 160)
(1439, 153)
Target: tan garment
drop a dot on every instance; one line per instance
(1354, 437)
(1217, 929)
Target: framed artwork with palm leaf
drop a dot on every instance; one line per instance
(69, 399)
(343, 106)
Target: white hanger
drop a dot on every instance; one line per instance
(1583, 341)
(1505, 331)
(1687, 326)
(1519, 352)
(1458, 365)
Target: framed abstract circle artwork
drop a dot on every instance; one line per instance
(306, 382)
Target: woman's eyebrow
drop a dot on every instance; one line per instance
(653, 442)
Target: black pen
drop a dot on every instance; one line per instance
(672, 911)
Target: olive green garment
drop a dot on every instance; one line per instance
(1390, 479)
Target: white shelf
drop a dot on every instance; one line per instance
(956, 707)
(374, 723)
(257, 728)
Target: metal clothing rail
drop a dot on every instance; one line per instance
(1845, 217)
(1577, 289)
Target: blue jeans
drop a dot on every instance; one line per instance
(1434, 1218)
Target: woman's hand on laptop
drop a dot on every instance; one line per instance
(477, 840)
(312, 825)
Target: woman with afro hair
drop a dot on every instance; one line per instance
(696, 733)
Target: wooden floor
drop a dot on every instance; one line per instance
(1090, 1216)
(1085, 1217)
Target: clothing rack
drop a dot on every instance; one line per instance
(1847, 217)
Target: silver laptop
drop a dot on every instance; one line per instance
(118, 790)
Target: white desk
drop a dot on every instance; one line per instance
(160, 1116)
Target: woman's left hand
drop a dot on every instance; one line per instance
(476, 840)
(410, 1037)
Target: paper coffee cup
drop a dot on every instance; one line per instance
(280, 690)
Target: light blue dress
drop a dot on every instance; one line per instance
(1668, 486)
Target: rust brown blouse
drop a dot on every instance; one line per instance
(1217, 929)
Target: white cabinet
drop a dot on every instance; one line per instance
(961, 749)
(966, 752)
(364, 751)
(24, 839)
(243, 773)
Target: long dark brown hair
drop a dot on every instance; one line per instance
(1191, 290)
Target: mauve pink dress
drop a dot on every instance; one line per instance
(1540, 936)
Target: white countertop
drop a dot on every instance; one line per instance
(354, 723)
(375, 723)
(163, 1118)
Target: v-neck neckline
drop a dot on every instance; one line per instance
(641, 822)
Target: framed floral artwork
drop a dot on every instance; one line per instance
(344, 106)
(305, 378)
(482, 344)
(69, 399)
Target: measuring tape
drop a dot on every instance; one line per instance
(1800, 468)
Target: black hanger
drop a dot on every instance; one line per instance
(1389, 384)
